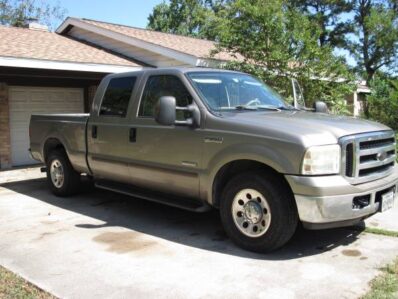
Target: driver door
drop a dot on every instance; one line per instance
(167, 158)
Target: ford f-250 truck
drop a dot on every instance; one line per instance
(200, 138)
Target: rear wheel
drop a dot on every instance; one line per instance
(61, 177)
(258, 211)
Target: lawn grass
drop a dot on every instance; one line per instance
(383, 232)
(14, 287)
(385, 286)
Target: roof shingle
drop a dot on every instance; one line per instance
(33, 44)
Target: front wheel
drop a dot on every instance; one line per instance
(258, 211)
(61, 177)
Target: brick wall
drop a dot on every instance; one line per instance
(5, 143)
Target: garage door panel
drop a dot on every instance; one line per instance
(25, 101)
(20, 97)
(39, 98)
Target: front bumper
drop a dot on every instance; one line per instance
(327, 201)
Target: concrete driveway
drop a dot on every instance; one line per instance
(104, 245)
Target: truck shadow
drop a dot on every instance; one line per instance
(203, 231)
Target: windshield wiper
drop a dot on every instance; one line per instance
(261, 107)
(244, 107)
(269, 107)
(288, 108)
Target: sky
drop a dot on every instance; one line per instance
(127, 12)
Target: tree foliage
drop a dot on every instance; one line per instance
(327, 15)
(196, 18)
(368, 29)
(185, 17)
(374, 40)
(17, 12)
(382, 104)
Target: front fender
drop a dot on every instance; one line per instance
(278, 157)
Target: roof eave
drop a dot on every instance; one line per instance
(180, 56)
(7, 61)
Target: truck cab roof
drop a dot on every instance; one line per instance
(181, 70)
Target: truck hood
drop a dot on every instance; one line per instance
(312, 128)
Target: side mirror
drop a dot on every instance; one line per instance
(321, 107)
(165, 111)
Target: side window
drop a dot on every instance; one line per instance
(117, 96)
(163, 85)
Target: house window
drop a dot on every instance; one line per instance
(117, 96)
(163, 85)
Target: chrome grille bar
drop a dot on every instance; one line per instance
(377, 150)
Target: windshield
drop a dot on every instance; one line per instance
(235, 91)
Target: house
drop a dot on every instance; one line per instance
(358, 98)
(57, 72)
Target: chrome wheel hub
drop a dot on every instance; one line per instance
(57, 173)
(251, 213)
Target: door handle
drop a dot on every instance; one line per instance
(94, 131)
(133, 135)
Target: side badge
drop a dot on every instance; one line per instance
(218, 140)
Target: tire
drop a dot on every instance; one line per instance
(270, 207)
(65, 181)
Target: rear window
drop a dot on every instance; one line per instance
(117, 96)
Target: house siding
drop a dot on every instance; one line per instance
(5, 142)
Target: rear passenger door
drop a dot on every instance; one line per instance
(109, 135)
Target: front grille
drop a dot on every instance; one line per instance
(369, 156)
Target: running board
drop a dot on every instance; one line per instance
(174, 201)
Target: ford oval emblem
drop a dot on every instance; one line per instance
(381, 156)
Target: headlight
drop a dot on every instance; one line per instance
(320, 160)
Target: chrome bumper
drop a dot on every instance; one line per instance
(325, 202)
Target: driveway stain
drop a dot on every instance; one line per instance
(49, 222)
(43, 235)
(47, 234)
(351, 252)
(363, 258)
(123, 242)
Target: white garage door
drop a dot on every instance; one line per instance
(25, 101)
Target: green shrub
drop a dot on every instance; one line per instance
(382, 104)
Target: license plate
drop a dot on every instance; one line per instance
(387, 201)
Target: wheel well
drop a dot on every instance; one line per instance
(233, 168)
(51, 145)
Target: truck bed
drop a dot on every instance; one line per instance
(70, 129)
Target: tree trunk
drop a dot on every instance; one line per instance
(369, 75)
